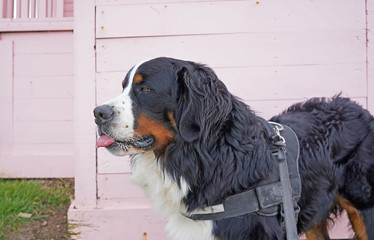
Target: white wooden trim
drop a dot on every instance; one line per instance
(36, 24)
(32, 8)
(85, 101)
(17, 9)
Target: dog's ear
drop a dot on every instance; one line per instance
(202, 102)
(188, 125)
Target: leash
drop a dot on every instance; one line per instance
(287, 199)
(276, 195)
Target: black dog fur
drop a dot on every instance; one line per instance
(220, 148)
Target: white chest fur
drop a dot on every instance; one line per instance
(166, 197)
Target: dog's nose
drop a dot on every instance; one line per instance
(103, 114)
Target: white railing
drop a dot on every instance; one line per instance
(33, 15)
(16, 9)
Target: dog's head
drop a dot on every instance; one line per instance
(162, 99)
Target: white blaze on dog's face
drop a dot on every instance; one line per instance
(134, 121)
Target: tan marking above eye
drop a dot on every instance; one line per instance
(123, 83)
(138, 78)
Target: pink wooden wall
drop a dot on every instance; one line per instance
(36, 94)
(270, 53)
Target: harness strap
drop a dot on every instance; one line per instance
(287, 203)
(275, 195)
(249, 201)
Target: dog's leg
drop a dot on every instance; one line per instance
(318, 232)
(368, 215)
(355, 217)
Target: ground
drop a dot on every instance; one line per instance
(53, 227)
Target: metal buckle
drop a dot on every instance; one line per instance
(278, 139)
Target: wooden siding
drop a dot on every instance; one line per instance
(39, 103)
(269, 53)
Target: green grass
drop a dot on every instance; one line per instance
(29, 196)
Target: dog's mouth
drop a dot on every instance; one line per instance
(141, 142)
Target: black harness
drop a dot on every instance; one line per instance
(276, 195)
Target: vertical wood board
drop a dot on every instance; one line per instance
(6, 97)
(85, 101)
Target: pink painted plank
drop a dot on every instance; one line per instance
(36, 24)
(43, 110)
(117, 186)
(59, 8)
(117, 223)
(24, 9)
(47, 149)
(130, 2)
(49, 10)
(43, 132)
(6, 96)
(8, 9)
(42, 8)
(109, 85)
(293, 82)
(37, 166)
(2, 9)
(125, 203)
(260, 49)
(250, 16)
(41, 42)
(107, 163)
(370, 26)
(43, 65)
(85, 101)
(68, 8)
(44, 87)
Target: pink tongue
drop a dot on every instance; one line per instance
(104, 141)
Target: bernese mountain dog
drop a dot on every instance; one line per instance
(193, 144)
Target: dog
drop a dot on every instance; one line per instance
(193, 144)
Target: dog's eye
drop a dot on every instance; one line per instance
(145, 89)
